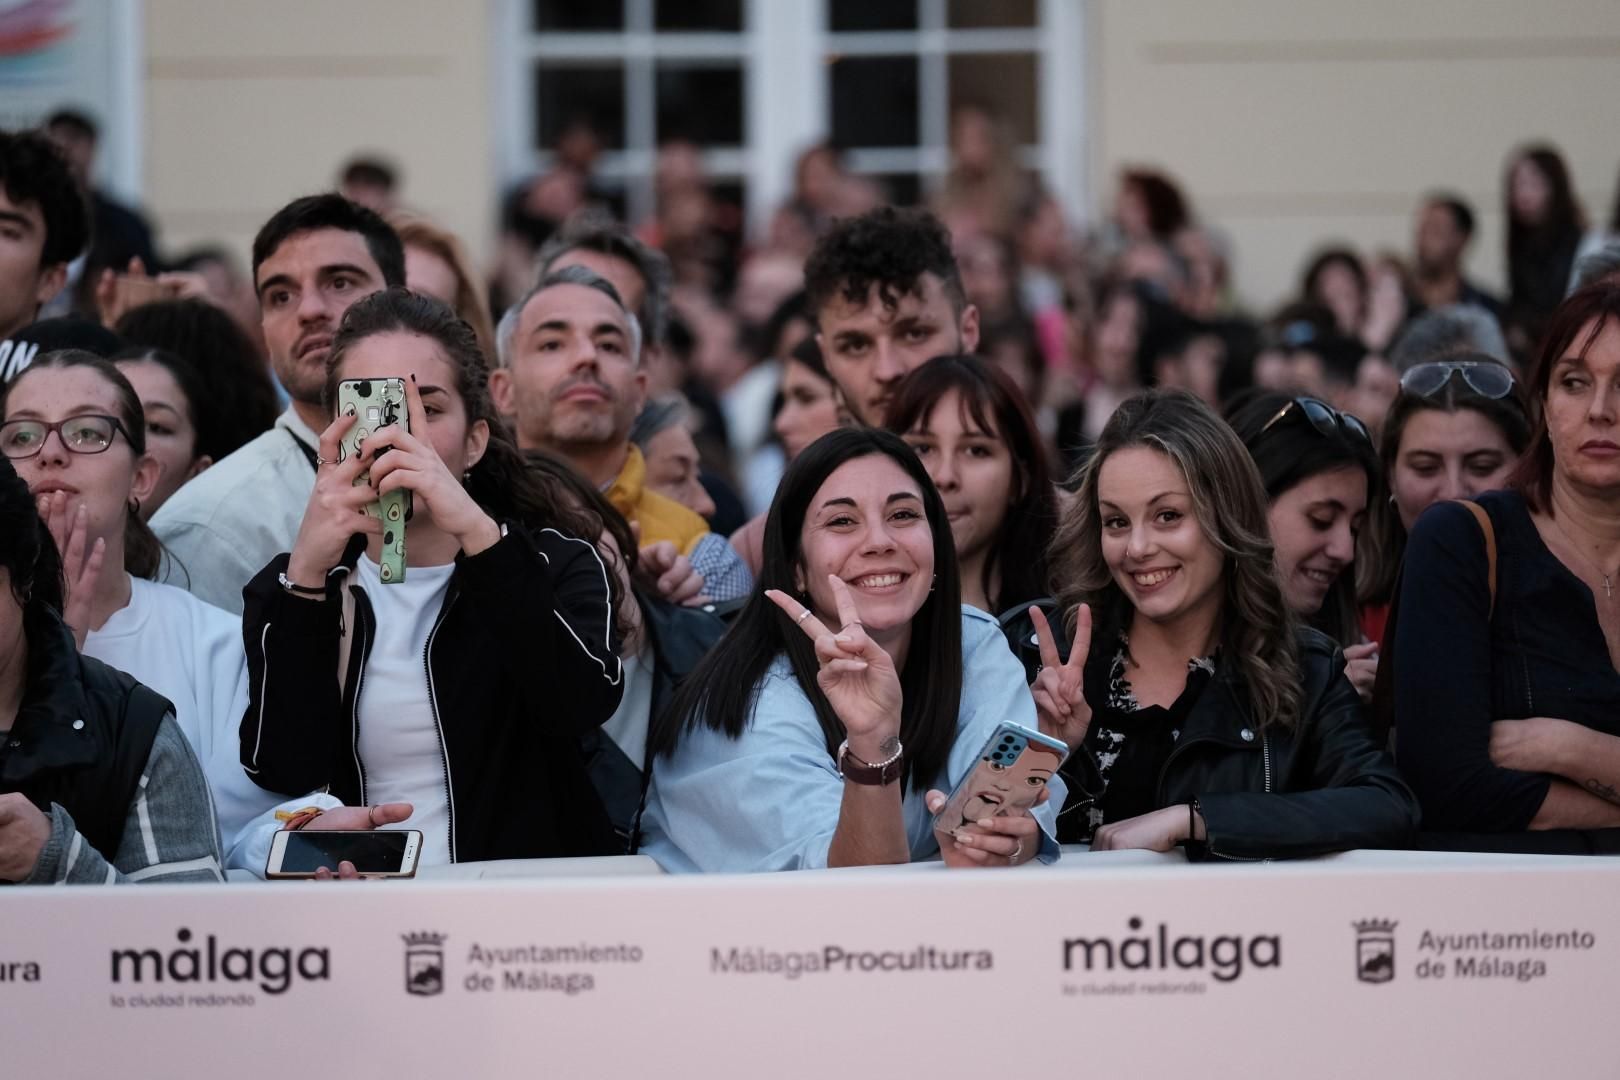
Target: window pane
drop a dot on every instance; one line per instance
(703, 104)
(872, 15)
(874, 101)
(901, 189)
(973, 14)
(699, 15)
(579, 14)
(1002, 83)
(570, 95)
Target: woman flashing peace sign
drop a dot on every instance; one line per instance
(849, 687)
(1199, 712)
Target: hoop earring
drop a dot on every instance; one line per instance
(932, 582)
(135, 506)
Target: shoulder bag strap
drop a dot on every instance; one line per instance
(1489, 530)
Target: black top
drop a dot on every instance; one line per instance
(1458, 669)
(1129, 743)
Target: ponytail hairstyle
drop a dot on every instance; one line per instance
(501, 482)
(27, 552)
(143, 553)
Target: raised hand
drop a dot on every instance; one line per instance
(856, 674)
(335, 512)
(81, 560)
(416, 466)
(1060, 702)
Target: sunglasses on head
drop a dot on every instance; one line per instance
(1323, 417)
(1483, 378)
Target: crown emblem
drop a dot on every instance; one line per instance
(1375, 926)
(422, 938)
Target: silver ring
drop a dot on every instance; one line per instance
(803, 615)
(1018, 849)
(319, 461)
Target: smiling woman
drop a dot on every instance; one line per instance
(1202, 714)
(853, 683)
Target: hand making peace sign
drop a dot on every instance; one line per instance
(856, 674)
(1060, 701)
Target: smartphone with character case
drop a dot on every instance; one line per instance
(1006, 779)
(378, 403)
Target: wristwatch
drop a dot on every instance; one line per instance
(882, 773)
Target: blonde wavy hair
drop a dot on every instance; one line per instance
(1257, 629)
(424, 235)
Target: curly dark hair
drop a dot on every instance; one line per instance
(887, 247)
(33, 171)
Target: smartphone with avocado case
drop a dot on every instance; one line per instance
(376, 404)
(1007, 777)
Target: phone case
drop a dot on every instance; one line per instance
(410, 858)
(379, 403)
(1007, 778)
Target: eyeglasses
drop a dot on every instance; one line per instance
(1323, 417)
(1485, 379)
(89, 434)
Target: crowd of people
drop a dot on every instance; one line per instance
(736, 554)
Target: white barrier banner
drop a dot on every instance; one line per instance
(1295, 971)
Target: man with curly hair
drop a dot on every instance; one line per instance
(887, 296)
(43, 227)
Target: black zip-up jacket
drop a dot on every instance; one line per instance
(521, 661)
(1320, 786)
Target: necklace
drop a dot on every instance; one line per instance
(1608, 579)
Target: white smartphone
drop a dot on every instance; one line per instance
(374, 852)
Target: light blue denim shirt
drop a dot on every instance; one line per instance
(770, 799)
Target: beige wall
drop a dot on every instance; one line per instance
(1296, 121)
(250, 104)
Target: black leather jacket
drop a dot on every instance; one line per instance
(1323, 785)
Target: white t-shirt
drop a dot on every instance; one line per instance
(628, 724)
(401, 753)
(191, 653)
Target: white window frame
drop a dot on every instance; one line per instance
(782, 52)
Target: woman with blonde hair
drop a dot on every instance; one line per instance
(1211, 718)
(436, 264)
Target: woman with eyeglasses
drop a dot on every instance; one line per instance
(97, 783)
(1209, 717)
(1455, 429)
(73, 427)
(1507, 642)
(1319, 470)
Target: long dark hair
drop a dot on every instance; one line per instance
(1597, 304)
(142, 551)
(1257, 627)
(27, 552)
(1378, 558)
(1291, 451)
(721, 691)
(996, 405)
(501, 481)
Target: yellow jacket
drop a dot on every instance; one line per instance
(661, 518)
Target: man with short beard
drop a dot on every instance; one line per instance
(573, 380)
(314, 258)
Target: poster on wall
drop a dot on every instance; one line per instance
(79, 54)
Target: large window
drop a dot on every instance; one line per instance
(752, 82)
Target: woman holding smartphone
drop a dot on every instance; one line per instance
(462, 690)
(849, 686)
(1210, 718)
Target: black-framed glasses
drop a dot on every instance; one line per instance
(87, 434)
(1484, 378)
(1323, 417)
